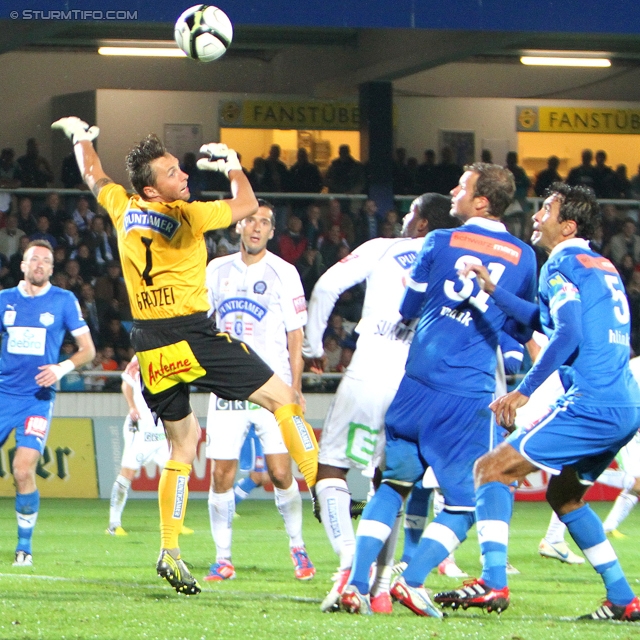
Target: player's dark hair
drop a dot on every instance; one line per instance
(436, 210)
(267, 205)
(494, 183)
(39, 243)
(139, 161)
(578, 204)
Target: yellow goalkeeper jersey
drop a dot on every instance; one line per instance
(162, 250)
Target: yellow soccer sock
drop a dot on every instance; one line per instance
(299, 439)
(173, 492)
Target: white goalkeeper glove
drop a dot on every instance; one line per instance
(76, 129)
(220, 158)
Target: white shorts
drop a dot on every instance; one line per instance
(147, 444)
(353, 435)
(628, 458)
(228, 422)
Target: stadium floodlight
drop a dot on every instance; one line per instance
(155, 52)
(565, 61)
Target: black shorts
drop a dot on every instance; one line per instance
(175, 353)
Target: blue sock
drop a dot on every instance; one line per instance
(494, 505)
(375, 526)
(586, 529)
(440, 538)
(27, 505)
(243, 488)
(415, 520)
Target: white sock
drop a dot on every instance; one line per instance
(289, 503)
(621, 509)
(222, 506)
(555, 531)
(438, 503)
(335, 511)
(385, 560)
(119, 493)
(617, 478)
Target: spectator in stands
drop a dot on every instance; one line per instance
(16, 259)
(59, 258)
(54, 209)
(230, 240)
(10, 236)
(258, 176)
(401, 175)
(626, 268)
(621, 184)
(345, 357)
(310, 267)
(345, 174)
(367, 222)
(197, 179)
(111, 289)
(627, 242)
(70, 175)
(521, 179)
(74, 279)
(292, 242)
(547, 176)
(447, 172)
(9, 170)
(635, 185)
(42, 231)
(412, 168)
(330, 244)
(61, 280)
(313, 224)
(633, 295)
(583, 174)
(34, 169)
(88, 266)
(73, 381)
(603, 177)
(386, 229)
(337, 215)
(277, 172)
(116, 335)
(332, 354)
(70, 238)
(336, 328)
(486, 156)
(6, 280)
(26, 218)
(426, 173)
(93, 312)
(105, 360)
(102, 245)
(304, 175)
(393, 219)
(83, 215)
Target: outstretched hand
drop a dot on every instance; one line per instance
(75, 129)
(220, 158)
(482, 276)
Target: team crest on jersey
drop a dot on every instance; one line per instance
(260, 287)
(242, 305)
(561, 290)
(9, 316)
(299, 304)
(406, 260)
(143, 219)
(47, 319)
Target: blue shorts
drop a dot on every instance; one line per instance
(432, 428)
(251, 454)
(573, 435)
(30, 417)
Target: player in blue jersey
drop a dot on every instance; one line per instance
(440, 415)
(584, 312)
(34, 317)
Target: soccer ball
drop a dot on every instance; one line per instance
(203, 32)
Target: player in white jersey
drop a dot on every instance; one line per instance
(144, 441)
(353, 432)
(258, 298)
(34, 317)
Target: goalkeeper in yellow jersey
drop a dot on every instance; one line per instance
(163, 256)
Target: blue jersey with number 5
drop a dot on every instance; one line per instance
(599, 368)
(454, 347)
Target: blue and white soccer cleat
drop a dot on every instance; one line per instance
(415, 598)
(352, 601)
(221, 570)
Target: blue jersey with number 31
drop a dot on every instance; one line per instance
(454, 347)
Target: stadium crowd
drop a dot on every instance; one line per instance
(312, 234)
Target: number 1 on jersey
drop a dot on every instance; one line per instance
(146, 274)
(496, 269)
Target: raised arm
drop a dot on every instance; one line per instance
(220, 158)
(82, 136)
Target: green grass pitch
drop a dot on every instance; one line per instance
(86, 584)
